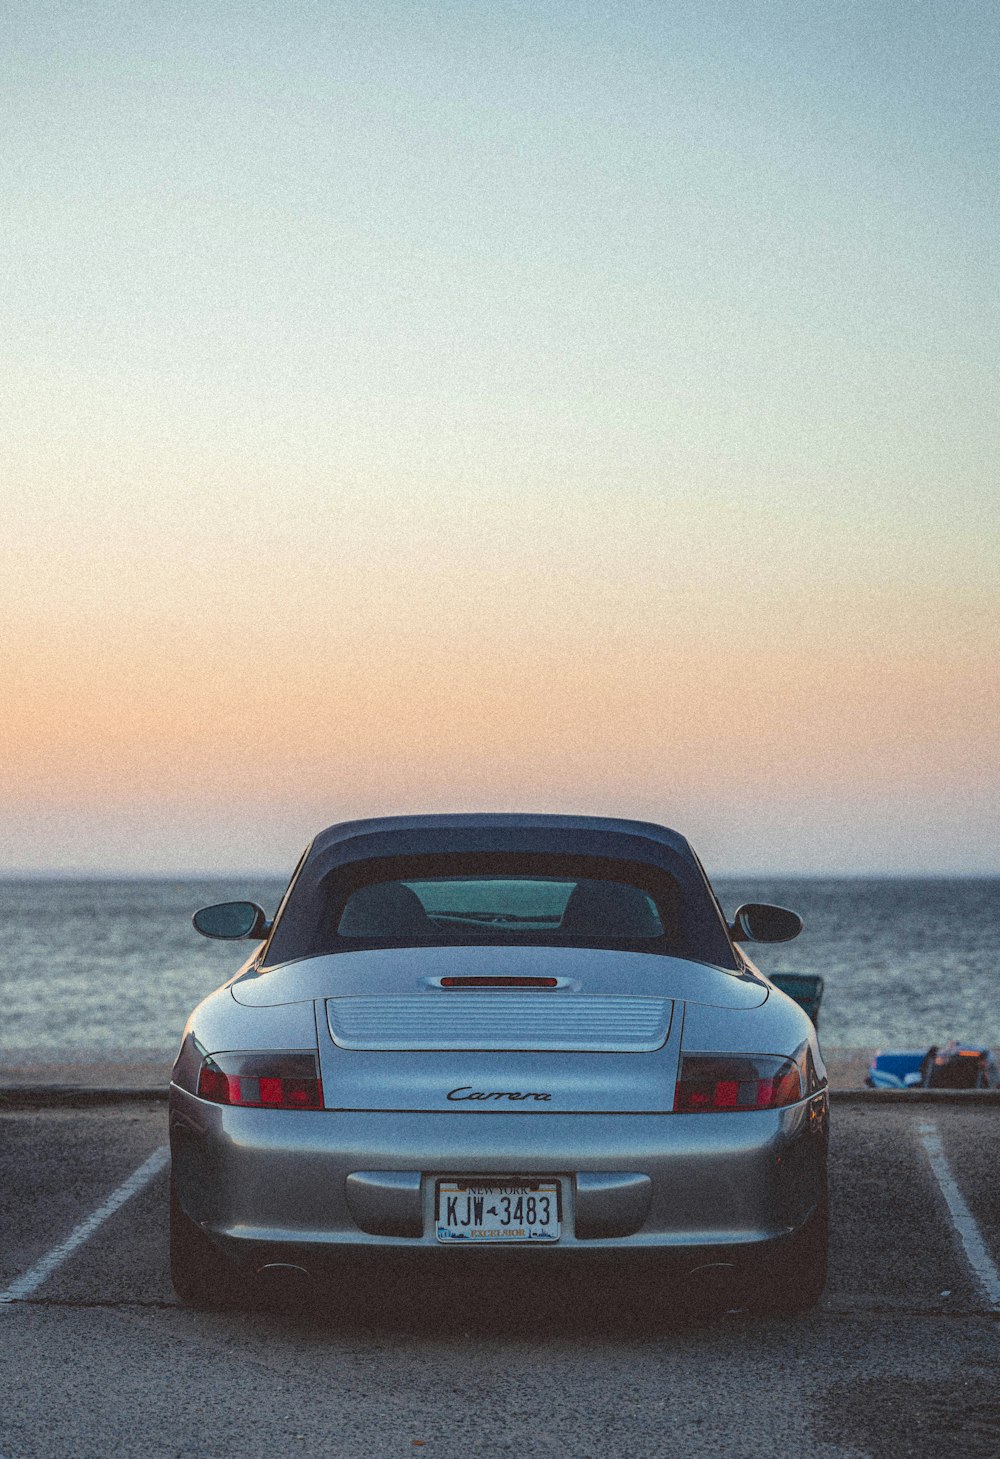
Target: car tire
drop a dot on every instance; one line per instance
(201, 1275)
(791, 1281)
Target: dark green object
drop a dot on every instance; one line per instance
(805, 988)
(232, 920)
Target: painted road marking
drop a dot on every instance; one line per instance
(46, 1265)
(976, 1251)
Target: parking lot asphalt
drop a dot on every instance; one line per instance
(902, 1358)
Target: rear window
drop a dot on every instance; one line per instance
(487, 908)
(489, 899)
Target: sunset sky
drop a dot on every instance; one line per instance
(459, 406)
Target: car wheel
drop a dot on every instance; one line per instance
(791, 1281)
(201, 1275)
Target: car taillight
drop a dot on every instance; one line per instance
(266, 1081)
(736, 1082)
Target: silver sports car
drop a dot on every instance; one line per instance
(534, 1032)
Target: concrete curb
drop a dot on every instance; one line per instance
(81, 1096)
(76, 1096)
(916, 1096)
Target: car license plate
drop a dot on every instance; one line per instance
(507, 1211)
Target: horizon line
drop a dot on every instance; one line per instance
(27, 874)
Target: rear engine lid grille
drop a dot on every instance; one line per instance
(560, 1022)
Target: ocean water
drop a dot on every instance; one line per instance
(109, 970)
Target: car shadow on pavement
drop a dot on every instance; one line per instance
(403, 1298)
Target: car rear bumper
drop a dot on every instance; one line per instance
(260, 1179)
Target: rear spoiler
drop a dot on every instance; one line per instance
(805, 988)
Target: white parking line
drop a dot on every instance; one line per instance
(46, 1265)
(976, 1250)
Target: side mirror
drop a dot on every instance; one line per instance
(231, 920)
(759, 922)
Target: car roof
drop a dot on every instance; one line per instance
(383, 837)
(499, 831)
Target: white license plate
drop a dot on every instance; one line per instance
(513, 1210)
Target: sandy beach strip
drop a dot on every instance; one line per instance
(846, 1068)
